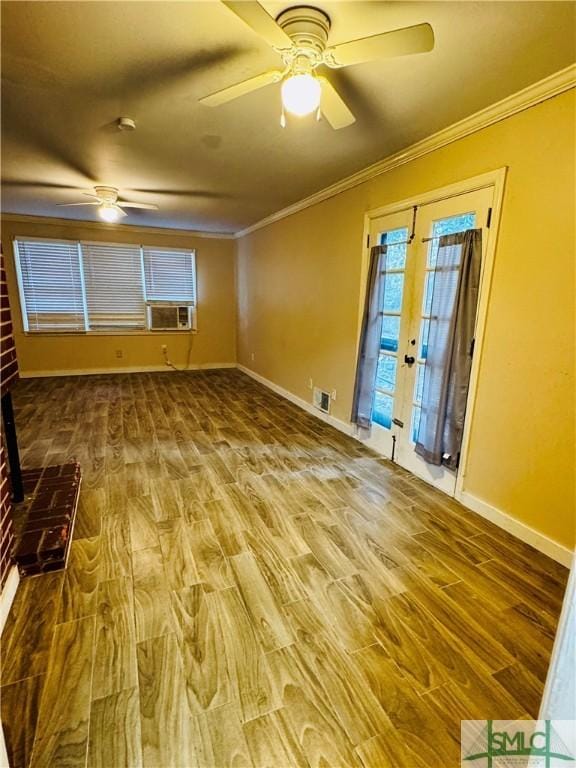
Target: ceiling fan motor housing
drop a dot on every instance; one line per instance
(107, 194)
(307, 28)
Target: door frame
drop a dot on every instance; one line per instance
(495, 179)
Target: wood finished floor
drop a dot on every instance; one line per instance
(249, 587)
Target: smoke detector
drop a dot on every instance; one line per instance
(126, 124)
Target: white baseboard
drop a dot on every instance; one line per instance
(3, 751)
(348, 429)
(128, 369)
(520, 530)
(8, 595)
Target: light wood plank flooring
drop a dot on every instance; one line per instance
(249, 587)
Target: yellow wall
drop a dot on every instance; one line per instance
(298, 307)
(299, 284)
(214, 343)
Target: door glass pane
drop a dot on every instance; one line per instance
(428, 293)
(424, 330)
(419, 382)
(393, 288)
(415, 422)
(386, 373)
(448, 227)
(395, 254)
(382, 411)
(390, 333)
(453, 224)
(399, 235)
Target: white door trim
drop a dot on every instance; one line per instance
(482, 314)
(558, 701)
(463, 187)
(495, 179)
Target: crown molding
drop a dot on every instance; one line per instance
(534, 94)
(58, 222)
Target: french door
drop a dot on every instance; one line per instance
(406, 305)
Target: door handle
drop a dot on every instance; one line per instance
(409, 359)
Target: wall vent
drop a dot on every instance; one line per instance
(321, 400)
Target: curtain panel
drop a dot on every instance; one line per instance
(449, 355)
(370, 338)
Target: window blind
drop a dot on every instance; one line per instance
(50, 285)
(114, 291)
(68, 285)
(170, 275)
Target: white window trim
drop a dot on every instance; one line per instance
(83, 285)
(20, 281)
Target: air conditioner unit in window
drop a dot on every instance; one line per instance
(170, 317)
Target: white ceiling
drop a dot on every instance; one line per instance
(69, 69)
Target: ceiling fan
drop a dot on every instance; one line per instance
(109, 207)
(300, 36)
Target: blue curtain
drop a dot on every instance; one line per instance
(449, 354)
(370, 336)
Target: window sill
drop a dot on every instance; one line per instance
(125, 332)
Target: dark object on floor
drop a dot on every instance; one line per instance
(51, 499)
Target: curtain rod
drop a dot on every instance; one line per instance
(437, 237)
(440, 199)
(424, 239)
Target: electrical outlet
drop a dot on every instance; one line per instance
(119, 353)
(310, 384)
(252, 356)
(333, 395)
(164, 347)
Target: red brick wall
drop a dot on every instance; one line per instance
(5, 519)
(8, 375)
(8, 362)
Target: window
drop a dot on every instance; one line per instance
(69, 286)
(50, 282)
(169, 275)
(113, 280)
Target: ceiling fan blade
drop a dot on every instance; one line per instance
(332, 106)
(240, 89)
(88, 194)
(400, 42)
(146, 206)
(69, 205)
(260, 21)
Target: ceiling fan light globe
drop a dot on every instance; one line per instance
(109, 213)
(301, 94)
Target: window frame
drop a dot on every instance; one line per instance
(88, 331)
